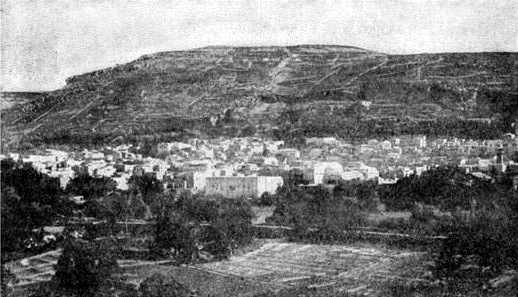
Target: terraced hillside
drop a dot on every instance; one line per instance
(223, 89)
(10, 99)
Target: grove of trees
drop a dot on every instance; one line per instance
(90, 187)
(30, 200)
(330, 210)
(192, 223)
(447, 188)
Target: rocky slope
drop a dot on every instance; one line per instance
(223, 90)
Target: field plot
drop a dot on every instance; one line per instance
(40, 268)
(204, 283)
(34, 269)
(325, 268)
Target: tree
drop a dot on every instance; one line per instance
(235, 222)
(91, 187)
(148, 186)
(365, 191)
(86, 266)
(97, 209)
(29, 184)
(163, 205)
(125, 206)
(177, 235)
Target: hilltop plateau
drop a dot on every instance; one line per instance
(284, 92)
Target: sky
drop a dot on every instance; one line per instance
(45, 41)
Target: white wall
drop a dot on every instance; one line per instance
(242, 186)
(268, 184)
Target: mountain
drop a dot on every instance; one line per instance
(313, 89)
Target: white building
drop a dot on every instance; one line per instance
(352, 175)
(242, 186)
(368, 172)
(323, 172)
(321, 140)
(290, 153)
(386, 145)
(122, 181)
(64, 176)
(106, 171)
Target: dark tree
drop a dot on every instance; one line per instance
(148, 186)
(29, 184)
(235, 222)
(30, 200)
(125, 206)
(86, 266)
(91, 187)
(177, 237)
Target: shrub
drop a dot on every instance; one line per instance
(8, 280)
(489, 240)
(158, 285)
(266, 199)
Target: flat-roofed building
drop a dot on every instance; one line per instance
(242, 186)
(323, 172)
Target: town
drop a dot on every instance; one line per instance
(249, 167)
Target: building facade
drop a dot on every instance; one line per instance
(242, 186)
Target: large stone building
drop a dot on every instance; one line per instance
(323, 172)
(242, 186)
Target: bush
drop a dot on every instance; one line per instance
(158, 285)
(488, 241)
(266, 199)
(8, 280)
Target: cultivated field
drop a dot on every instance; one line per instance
(320, 270)
(359, 269)
(315, 270)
